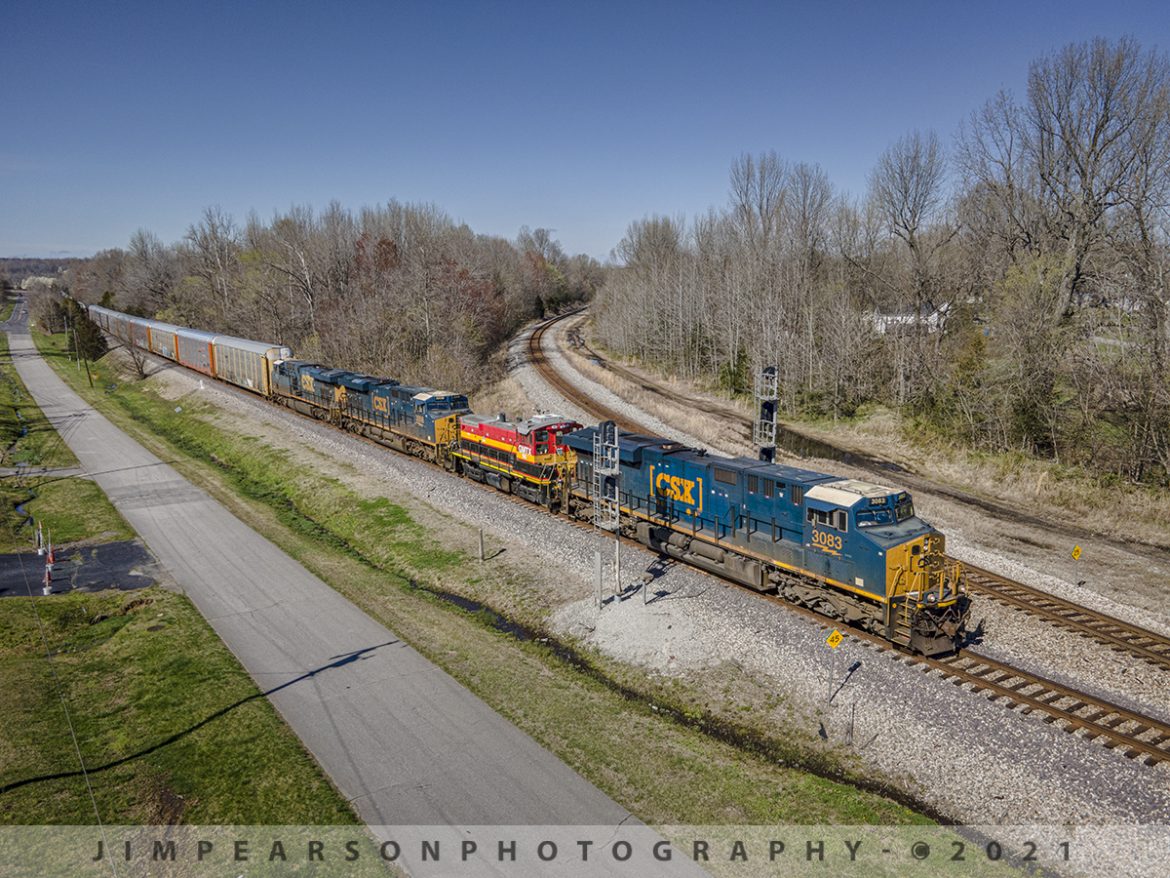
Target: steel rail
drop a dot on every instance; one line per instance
(1110, 631)
(1150, 740)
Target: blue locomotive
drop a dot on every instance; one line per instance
(416, 420)
(847, 549)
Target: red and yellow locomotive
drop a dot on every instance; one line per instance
(527, 458)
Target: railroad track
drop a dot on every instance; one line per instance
(1135, 735)
(1117, 634)
(562, 385)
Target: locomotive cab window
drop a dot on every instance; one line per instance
(874, 517)
(837, 519)
(541, 443)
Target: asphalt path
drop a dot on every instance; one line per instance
(401, 739)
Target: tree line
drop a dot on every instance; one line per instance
(399, 290)
(1011, 290)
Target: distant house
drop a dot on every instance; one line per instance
(930, 317)
(38, 283)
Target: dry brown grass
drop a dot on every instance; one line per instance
(1041, 487)
(506, 395)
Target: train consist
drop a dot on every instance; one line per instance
(851, 550)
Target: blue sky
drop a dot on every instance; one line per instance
(578, 117)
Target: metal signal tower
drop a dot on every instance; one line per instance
(767, 403)
(607, 511)
(607, 475)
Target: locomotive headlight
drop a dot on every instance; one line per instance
(931, 598)
(962, 588)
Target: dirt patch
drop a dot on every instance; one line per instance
(126, 565)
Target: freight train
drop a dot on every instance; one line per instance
(851, 550)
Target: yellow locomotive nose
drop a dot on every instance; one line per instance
(926, 601)
(919, 572)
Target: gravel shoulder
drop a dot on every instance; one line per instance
(968, 756)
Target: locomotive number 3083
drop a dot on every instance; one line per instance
(823, 540)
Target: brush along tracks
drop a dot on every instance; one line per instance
(1117, 634)
(1137, 736)
(553, 377)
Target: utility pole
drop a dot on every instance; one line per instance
(65, 315)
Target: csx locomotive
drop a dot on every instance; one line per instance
(851, 550)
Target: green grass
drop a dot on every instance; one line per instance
(71, 509)
(646, 743)
(170, 726)
(26, 436)
(6, 306)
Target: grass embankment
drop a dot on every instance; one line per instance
(1065, 494)
(642, 741)
(170, 726)
(71, 509)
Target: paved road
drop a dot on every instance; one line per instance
(399, 737)
(18, 319)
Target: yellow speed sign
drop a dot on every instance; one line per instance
(1076, 553)
(834, 639)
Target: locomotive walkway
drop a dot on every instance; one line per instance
(405, 742)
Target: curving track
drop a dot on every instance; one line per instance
(809, 446)
(1117, 634)
(1133, 734)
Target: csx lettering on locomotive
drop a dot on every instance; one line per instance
(678, 488)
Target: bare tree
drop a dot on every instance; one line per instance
(151, 272)
(907, 187)
(215, 244)
(1057, 164)
(758, 189)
